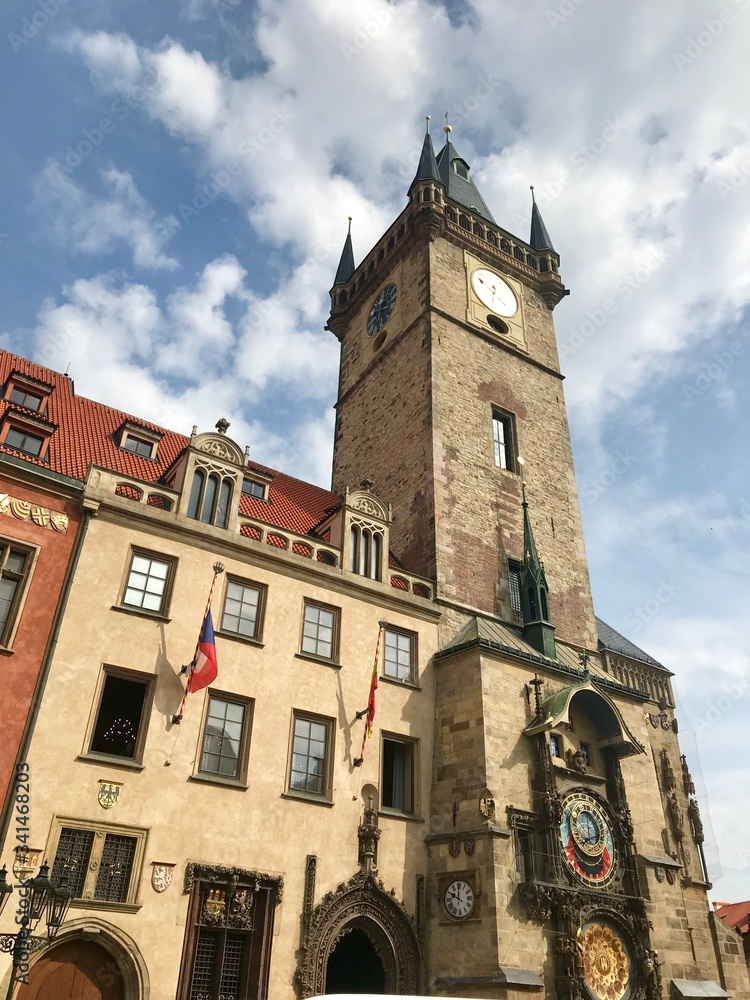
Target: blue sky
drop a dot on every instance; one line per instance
(177, 179)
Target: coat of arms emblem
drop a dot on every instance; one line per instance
(161, 876)
(109, 793)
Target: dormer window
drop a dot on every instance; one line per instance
(139, 441)
(21, 440)
(461, 168)
(27, 392)
(25, 435)
(210, 497)
(255, 488)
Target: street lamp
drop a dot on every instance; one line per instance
(39, 896)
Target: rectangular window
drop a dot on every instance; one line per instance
(399, 655)
(119, 730)
(311, 755)
(15, 572)
(554, 745)
(397, 785)
(503, 436)
(225, 737)
(31, 400)
(149, 582)
(22, 440)
(138, 446)
(586, 751)
(97, 862)
(254, 488)
(243, 608)
(320, 631)
(514, 586)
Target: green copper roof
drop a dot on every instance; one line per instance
(427, 169)
(346, 265)
(540, 238)
(459, 188)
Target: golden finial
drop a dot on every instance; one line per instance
(427, 126)
(350, 225)
(446, 128)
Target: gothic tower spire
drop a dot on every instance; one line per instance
(537, 628)
(539, 238)
(459, 186)
(346, 265)
(427, 168)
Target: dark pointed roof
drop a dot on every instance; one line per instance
(539, 239)
(427, 169)
(615, 642)
(531, 562)
(346, 265)
(458, 188)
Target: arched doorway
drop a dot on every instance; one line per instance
(359, 938)
(354, 965)
(80, 969)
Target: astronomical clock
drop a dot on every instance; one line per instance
(580, 878)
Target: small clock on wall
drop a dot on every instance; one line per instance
(459, 899)
(381, 309)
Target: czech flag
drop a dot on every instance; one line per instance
(205, 668)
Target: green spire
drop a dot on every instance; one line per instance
(539, 238)
(427, 169)
(346, 264)
(537, 628)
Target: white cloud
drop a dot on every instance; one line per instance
(87, 224)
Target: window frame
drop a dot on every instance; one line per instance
(30, 387)
(15, 422)
(262, 589)
(411, 680)
(122, 673)
(171, 561)
(256, 481)
(248, 704)
(9, 631)
(220, 480)
(516, 607)
(309, 602)
(510, 440)
(133, 432)
(131, 903)
(302, 793)
(413, 744)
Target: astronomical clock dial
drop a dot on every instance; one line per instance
(607, 961)
(381, 309)
(494, 292)
(458, 899)
(587, 841)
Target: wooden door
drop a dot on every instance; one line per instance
(77, 969)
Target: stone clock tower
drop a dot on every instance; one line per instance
(561, 857)
(449, 372)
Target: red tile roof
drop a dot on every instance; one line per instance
(736, 915)
(86, 434)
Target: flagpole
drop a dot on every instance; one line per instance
(370, 710)
(218, 568)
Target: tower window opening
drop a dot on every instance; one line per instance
(503, 437)
(543, 264)
(450, 213)
(498, 325)
(460, 168)
(518, 253)
(514, 586)
(545, 609)
(478, 230)
(532, 603)
(505, 246)
(464, 222)
(492, 239)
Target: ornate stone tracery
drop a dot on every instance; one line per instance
(363, 903)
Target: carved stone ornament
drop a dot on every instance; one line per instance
(224, 876)
(576, 761)
(696, 823)
(660, 873)
(25, 511)
(487, 808)
(676, 818)
(366, 503)
(469, 846)
(667, 771)
(363, 904)
(454, 847)
(109, 793)
(161, 875)
(687, 779)
(220, 446)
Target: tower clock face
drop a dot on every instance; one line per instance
(381, 310)
(587, 842)
(458, 899)
(494, 292)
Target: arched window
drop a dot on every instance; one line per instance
(532, 603)
(210, 497)
(545, 610)
(365, 552)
